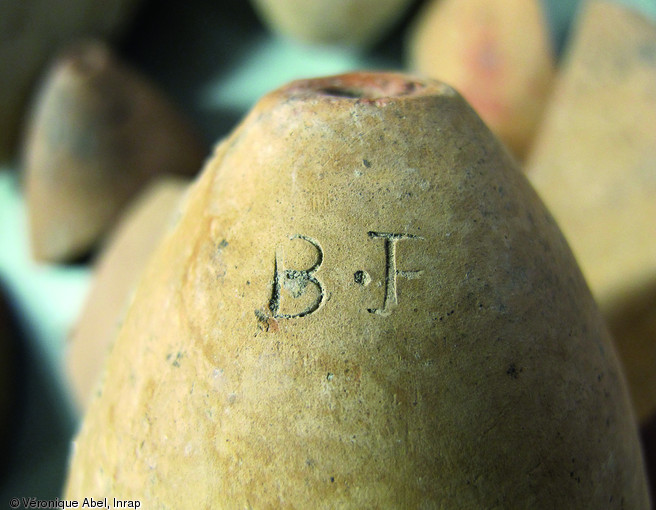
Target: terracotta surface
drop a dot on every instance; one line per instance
(116, 274)
(363, 305)
(32, 30)
(98, 133)
(342, 22)
(497, 53)
(595, 166)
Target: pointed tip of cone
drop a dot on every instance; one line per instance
(99, 131)
(86, 57)
(369, 85)
(373, 88)
(498, 55)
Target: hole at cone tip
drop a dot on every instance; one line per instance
(352, 92)
(370, 88)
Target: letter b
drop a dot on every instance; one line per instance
(296, 282)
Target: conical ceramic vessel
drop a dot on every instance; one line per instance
(31, 31)
(594, 165)
(497, 53)
(98, 133)
(116, 274)
(362, 305)
(352, 23)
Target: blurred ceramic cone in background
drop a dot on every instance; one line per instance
(337, 22)
(363, 304)
(595, 166)
(496, 53)
(98, 133)
(116, 274)
(30, 31)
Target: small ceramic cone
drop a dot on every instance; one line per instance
(340, 22)
(116, 274)
(31, 30)
(497, 53)
(365, 305)
(99, 132)
(595, 166)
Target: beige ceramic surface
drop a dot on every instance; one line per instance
(98, 133)
(341, 22)
(497, 53)
(30, 32)
(116, 273)
(595, 166)
(362, 305)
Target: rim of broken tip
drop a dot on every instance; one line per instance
(367, 87)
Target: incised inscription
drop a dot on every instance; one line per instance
(296, 281)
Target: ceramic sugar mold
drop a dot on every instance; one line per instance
(498, 54)
(116, 272)
(363, 304)
(602, 188)
(98, 132)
